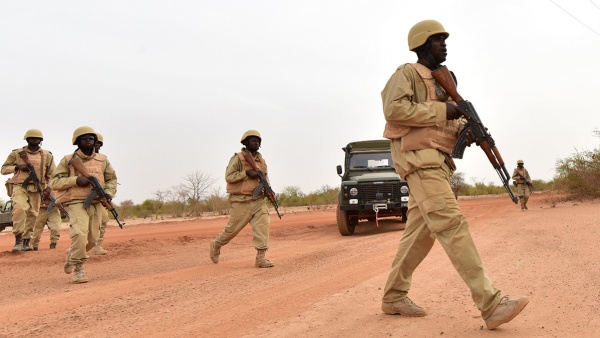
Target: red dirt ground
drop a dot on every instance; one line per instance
(158, 280)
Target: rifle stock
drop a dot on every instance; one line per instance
(97, 190)
(475, 128)
(264, 184)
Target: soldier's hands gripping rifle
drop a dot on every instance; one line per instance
(97, 190)
(474, 129)
(264, 184)
(32, 174)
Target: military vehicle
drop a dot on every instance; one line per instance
(370, 187)
(6, 215)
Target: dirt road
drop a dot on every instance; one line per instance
(158, 280)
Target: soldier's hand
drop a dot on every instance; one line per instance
(252, 173)
(454, 112)
(82, 181)
(21, 167)
(47, 192)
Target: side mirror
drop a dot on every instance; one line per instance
(339, 170)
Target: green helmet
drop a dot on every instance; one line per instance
(249, 133)
(83, 131)
(33, 133)
(421, 31)
(520, 162)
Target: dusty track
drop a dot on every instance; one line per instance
(158, 280)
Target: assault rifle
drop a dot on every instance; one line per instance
(264, 184)
(33, 176)
(97, 190)
(473, 129)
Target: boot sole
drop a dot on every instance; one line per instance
(520, 306)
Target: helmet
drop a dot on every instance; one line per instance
(520, 162)
(100, 138)
(33, 133)
(82, 131)
(421, 31)
(249, 133)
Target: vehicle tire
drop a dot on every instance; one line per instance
(2, 226)
(343, 221)
(403, 219)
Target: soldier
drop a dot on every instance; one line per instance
(72, 188)
(98, 249)
(523, 181)
(241, 180)
(52, 219)
(27, 199)
(423, 126)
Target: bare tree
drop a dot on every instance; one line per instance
(457, 182)
(195, 186)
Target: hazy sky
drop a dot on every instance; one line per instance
(172, 85)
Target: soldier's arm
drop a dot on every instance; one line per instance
(398, 105)
(110, 179)
(60, 179)
(234, 172)
(9, 165)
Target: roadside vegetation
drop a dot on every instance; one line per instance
(576, 177)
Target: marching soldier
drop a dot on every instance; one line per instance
(523, 182)
(22, 188)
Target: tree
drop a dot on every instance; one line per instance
(195, 186)
(457, 183)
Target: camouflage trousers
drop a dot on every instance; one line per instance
(240, 214)
(26, 205)
(52, 219)
(84, 229)
(433, 213)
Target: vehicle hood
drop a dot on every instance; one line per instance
(374, 177)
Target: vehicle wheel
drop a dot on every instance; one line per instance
(403, 220)
(343, 221)
(2, 226)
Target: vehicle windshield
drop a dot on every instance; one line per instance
(371, 160)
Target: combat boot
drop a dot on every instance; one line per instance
(53, 245)
(215, 251)
(261, 260)
(506, 311)
(98, 249)
(18, 243)
(79, 276)
(403, 307)
(26, 246)
(68, 266)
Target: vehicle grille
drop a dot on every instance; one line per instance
(368, 192)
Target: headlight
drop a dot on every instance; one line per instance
(353, 191)
(404, 189)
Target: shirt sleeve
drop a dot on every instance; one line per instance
(234, 172)
(9, 165)
(110, 179)
(60, 179)
(399, 106)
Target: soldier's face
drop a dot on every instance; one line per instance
(253, 143)
(34, 141)
(86, 141)
(438, 48)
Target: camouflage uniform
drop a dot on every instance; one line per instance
(26, 200)
(523, 189)
(50, 218)
(412, 104)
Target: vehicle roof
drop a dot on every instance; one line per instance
(368, 145)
